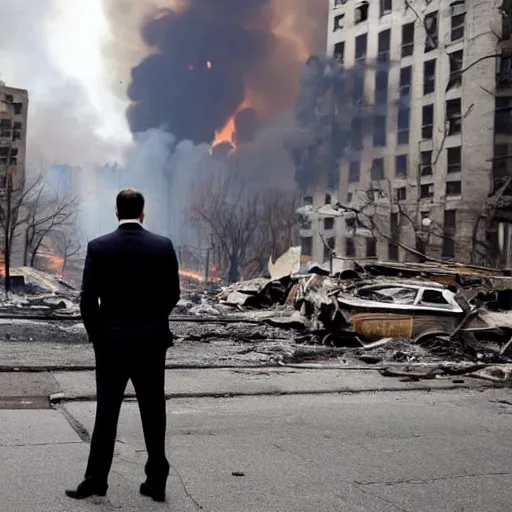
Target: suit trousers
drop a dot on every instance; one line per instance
(145, 366)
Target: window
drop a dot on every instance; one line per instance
(356, 134)
(431, 32)
(503, 115)
(329, 223)
(426, 163)
(454, 157)
(453, 188)
(449, 229)
(458, 19)
(9, 98)
(338, 22)
(433, 297)
(429, 76)
(379, 131)
(403, 126)
(5, 124)
(504, 76)
(502, 157)
(392, 251)
(328, 199)
(400, 194)
(305, 222)
(506, 22)
(306, 248)
(383, 45)
(18, 109)
(456, 59)
(350, 247)
(401, 166)
(427, 191)
(349, 197)
(354, 172)
(407, 39)
(405, 81)
(371, 248)
(308, 200)
(362, 12)
(339, 51)
(378, 169)
(329, 248)
(386, 6)
(381, 87)
(454, 116)
(427, 125)
(361, 45)
(358, 86)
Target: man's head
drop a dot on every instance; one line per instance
(130, 205)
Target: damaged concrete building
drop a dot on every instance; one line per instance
(13, 142)
(418, 151)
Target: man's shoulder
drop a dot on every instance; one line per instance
(100, 241)
(160, 240)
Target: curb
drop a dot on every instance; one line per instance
(476, 384)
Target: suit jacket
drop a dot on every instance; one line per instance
(130, 286)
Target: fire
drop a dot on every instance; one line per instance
(53, 263)
(209, 65)
(191, 274)
(226, 133)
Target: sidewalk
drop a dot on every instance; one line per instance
(270, 381)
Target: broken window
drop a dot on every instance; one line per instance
(361, 47)
(383, 45)
(504, 78)
(456, 59)
(306, 248)
(503, 114)
(308, 200)
(403, 126)
(349, 197)
(449, 230)
(401, 194)
(386, 6)
(429, 76)
(433, 297)
(9, 98)
(356, 133)
(401, 166)
(426, 163)
(458, 19)
(328, 199)
(427, 191)
(329, 248)
(392, 251)
(361, 13)
(329, 223)
(454, 116)
(453, 188)
(405, 81)
(354, 172)
(338, 22)
(339, 51)
(378, 169)
(379, 131)
(381, 87)
(454, 157)
(18, 108)
(431, 32)
(427, 124)
(350, 247)
(407, 39)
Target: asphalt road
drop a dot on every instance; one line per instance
(407, 452)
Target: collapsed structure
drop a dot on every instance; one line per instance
(404, 133)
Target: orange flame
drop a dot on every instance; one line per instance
(191, 274)
(226, 133)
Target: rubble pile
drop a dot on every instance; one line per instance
(402, 313)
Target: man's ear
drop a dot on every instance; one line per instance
(141, 218)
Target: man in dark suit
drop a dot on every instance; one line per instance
(130, 286)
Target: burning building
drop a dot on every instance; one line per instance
(413, 158)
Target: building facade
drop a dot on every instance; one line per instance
(428, 169)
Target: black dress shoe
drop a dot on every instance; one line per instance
(86, 489)
(157, 493)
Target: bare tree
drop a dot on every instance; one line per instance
(66, 244)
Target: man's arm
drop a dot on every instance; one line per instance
(89, 296)
(173, 291)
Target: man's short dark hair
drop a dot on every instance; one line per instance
(129, 203)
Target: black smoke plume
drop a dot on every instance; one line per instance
(196, 79)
